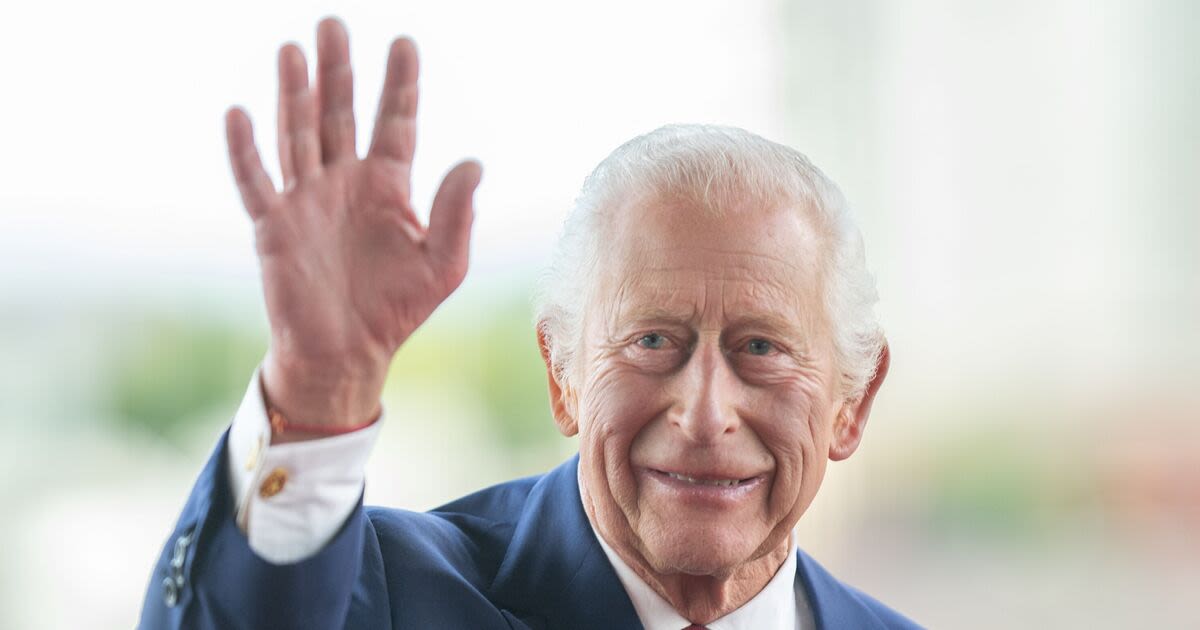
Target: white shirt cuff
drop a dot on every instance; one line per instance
(292, 498)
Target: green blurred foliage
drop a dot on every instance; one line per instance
(1005, 481)
(986, 484)
(168, 370)
(487, 348)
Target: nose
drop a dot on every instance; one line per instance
(708, 392)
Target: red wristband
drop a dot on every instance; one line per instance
(280, 424)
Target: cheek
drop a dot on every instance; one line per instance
(795, 428)
(615, 404)
(616, 408)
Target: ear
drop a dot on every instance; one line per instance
(562, 397)
(852, 417)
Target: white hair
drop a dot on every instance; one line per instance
(712, 169)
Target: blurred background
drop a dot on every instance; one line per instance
(1026, 175)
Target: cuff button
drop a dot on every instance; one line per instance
(273, 484)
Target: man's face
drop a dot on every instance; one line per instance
(707, 388)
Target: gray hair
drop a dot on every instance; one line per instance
(710, 169)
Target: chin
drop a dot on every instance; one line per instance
(700, 550)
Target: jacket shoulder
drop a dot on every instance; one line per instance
(501, 502)
(890, 618)
(467, 537)
(494, 506)
(836, 604)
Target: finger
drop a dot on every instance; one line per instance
(335, 91)
(252, 180)
(449, 236)
(395, 134)
(299, 145)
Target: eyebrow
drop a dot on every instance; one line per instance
(773, 322)
(788, 329)
(655, 311)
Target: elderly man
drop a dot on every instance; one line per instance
(708, 334)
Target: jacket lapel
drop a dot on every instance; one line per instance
(554, 568)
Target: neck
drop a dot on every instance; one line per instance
(703, 599)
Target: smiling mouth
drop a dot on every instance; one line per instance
(723, 483)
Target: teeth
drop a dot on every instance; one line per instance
(704, 482)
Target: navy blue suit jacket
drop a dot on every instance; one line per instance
(517, 555)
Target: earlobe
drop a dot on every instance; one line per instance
(562, 396)
(851, 420)
(564, 415)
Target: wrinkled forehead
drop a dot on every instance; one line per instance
(670, 259)
(765, 224)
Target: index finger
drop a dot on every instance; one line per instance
(395, 135)
(252, 180)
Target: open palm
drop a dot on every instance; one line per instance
(348, 270)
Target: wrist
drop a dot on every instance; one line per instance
(327, 400)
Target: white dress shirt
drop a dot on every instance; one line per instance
(293, 498)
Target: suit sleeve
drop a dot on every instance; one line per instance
(208, 576)
(211, 575)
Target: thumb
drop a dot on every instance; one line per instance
(449, 236)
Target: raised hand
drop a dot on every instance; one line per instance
(348, 270)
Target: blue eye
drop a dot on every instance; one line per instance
(652, 341)
(759, 347)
